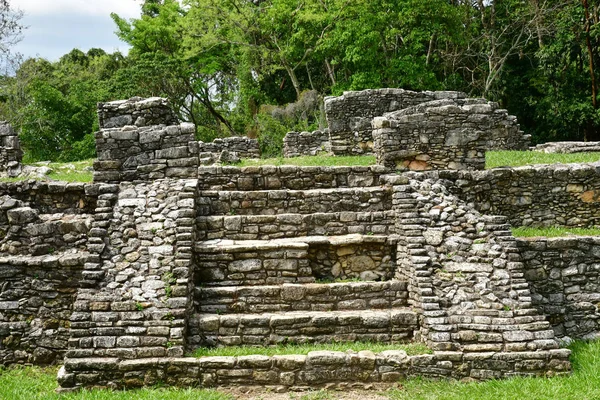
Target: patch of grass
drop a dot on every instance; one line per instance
(584, 383)
(554, 231)
(410, 348)
(494, 159)
(40, 384)
(306, 161)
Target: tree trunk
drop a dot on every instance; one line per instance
(293, 78)
(330, 72)
(591, 133)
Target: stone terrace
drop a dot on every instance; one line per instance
(162, 255)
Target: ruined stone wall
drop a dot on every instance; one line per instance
(137, 112)
(10, 150)
(567, 147)
(287, 177)
(349, 116)
(539, 195)
(466, 275)
(151, 152)
(296, 144)
(564, 276)
(43, 239)
(445, 134)
(302, 297)
(36, 301)
(267, 227)
(234, 147)
(329, 369)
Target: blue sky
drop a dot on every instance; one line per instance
(55, 27)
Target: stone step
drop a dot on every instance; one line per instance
(287, 177)
(302, 297)
(395, 325)
(263, 227)
(272, 202)
(294, 260)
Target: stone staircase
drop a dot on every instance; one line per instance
(313, 265)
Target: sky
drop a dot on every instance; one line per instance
(55, 27)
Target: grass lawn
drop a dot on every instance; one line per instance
(40, 384)
(494, 159)
(584, 383)
(554, 231)
(410, 348)
(305, 161)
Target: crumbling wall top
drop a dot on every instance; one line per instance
(136, 111)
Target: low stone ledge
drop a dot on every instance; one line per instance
(317, 369)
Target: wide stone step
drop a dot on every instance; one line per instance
(272, 202)
(387, 326)
(287, 177)
(302, 297)
(264, 227)
(294, 260)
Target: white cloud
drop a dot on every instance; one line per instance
(125, 8)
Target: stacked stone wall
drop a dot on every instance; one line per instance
(137, 112)
(266, 227)
(228, 149)
(445, 134)
(328, 369)
(540, 195)
(567, 147)
(349, 116)
(564, 275)
(295, 297)
(273, 202)
(147, 153)
(296, 144)
(287, 177)
(36, 301)
(10, 150)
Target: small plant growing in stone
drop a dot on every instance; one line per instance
(169, 280)
(169, 345)
(139, 306)
(506, 308)
(169, 317)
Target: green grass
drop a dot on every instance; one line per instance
(410, 348)
(305, 161)
(583, 384)
(494, 159)
(40, 384)
(68, 172)
(554, 231)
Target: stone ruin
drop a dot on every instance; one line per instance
(121, 278)
(416, 130)
(10, 151)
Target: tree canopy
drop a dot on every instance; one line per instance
(233, 67)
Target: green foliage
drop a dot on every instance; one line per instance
(495, 159)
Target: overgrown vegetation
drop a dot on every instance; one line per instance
(322, 160)
(505, 158)
(410, 348)
(261, 68)
(554, 231)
